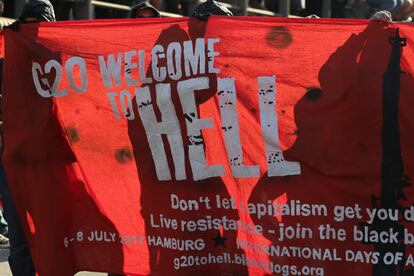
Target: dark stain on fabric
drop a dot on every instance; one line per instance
(123, 155)
(313, 93)
(73, 134)
(279, 37)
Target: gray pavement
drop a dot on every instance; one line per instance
(5, 270)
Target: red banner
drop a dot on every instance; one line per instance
(234, 146)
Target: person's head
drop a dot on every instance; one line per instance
(37, 11)
(144, 10)
(197, 28)
(211, 7)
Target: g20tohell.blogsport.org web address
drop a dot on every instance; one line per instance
(240, 259)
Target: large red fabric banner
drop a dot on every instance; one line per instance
(231, 146)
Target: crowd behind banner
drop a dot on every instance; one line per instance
(68, 9)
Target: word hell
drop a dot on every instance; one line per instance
(169, 126)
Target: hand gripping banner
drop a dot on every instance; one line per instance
(233, 146)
